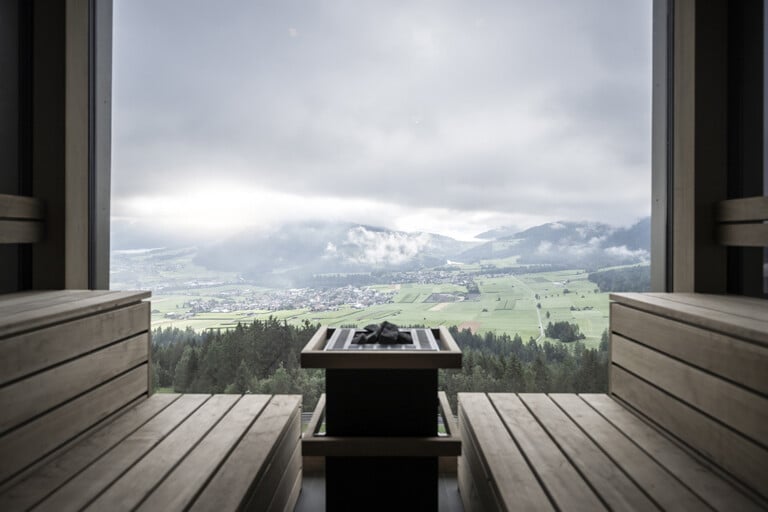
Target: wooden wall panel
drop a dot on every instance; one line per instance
(733, 452)
(24, 445)
(35, 395)
(733, 405)
(35, 350)
(734, 359)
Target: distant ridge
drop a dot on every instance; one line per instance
(333, 247)
(586, 244)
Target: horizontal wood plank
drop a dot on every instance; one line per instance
(313, 355)
(514, 482)
(743, 235)
(21, 207)
(39, 484)
(717, 492)
(250, 460)
(33, 351)
(12, 303)
(401, 359)
(341, 446)
(563, 483)
(100, 474)
(742, 210)
(135, 484)
(24, 445)
(21, 231)
(751, 308)
(741, 409)
(39, 317)
(181, 487)
(34, 395)
(665, 490)
(718, 313)
(732, 358)
(720, 444)
(614, 487)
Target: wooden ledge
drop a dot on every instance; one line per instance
(313, 355)
(24, 311)
(314, 444)
(741, 317)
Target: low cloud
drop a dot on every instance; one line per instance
(622, 251)
(507, 110)
(382, 247)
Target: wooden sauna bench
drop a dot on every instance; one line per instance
(683, 427)
(80, 429)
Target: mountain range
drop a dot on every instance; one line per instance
(326, 247)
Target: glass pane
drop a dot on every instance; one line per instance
(480, 165)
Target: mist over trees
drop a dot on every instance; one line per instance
(263, 357)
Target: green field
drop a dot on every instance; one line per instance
(505, 304)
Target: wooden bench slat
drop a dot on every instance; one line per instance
(737, 305)
(14, 303)
(734, 359)
(665, 490)
(38, 317)
(733, 452)
(103, 472)
(618, 491)
(722, 316)
(133, 486)
(179, 489)
(34, 395)
(52, 475)
(28, 443)
(518, 487)
(563, 482)
(249, 460)
(743, 410)
(714, 490)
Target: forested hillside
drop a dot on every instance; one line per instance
(263, 357)
(629, 279)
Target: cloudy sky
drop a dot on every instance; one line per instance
(449, 116)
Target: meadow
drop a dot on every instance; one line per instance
(506, 304)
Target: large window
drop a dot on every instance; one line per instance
(483, 166)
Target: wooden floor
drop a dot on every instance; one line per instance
(578, 452)
(312, 497)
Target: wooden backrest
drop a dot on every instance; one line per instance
(741, 222)
(697, 366)
(68, 360)
(21, 219)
